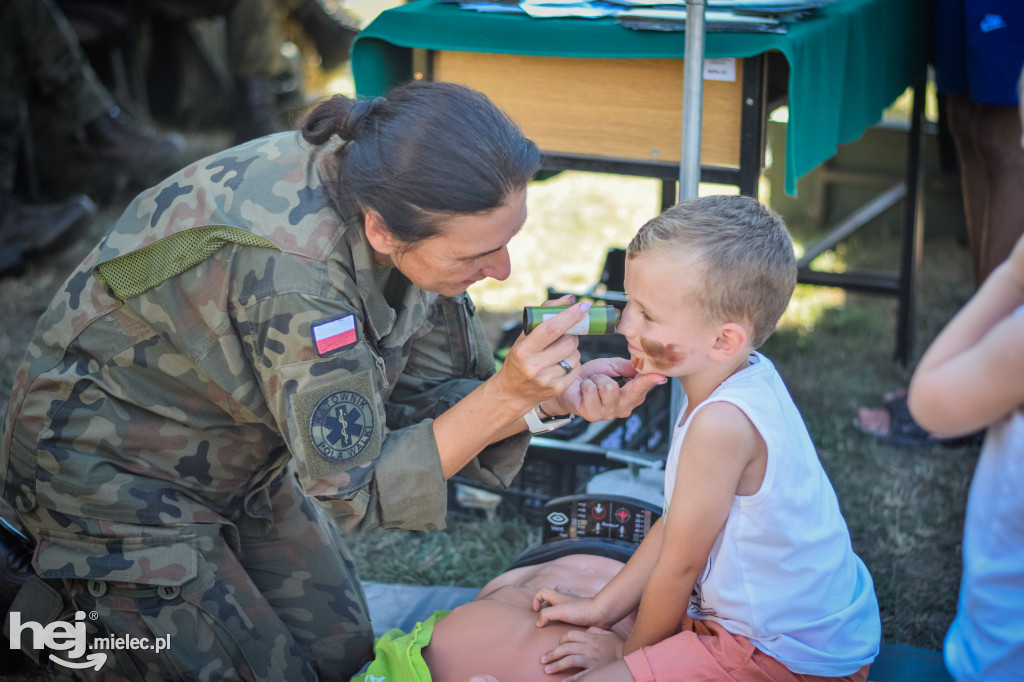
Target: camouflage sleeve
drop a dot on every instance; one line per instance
(447, 361)
(328, 406)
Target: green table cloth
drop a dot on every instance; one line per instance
(847, 63)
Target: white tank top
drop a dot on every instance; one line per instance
(782, 572)
(986, 639)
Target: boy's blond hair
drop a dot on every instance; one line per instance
(744, 250)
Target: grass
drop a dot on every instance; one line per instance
(904, 507)
(469, 553)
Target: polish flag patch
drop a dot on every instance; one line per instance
(334, 334)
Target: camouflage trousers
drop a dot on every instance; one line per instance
(259, 599)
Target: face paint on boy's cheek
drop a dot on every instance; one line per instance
(658, 354)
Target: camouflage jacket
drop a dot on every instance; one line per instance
(230, 322)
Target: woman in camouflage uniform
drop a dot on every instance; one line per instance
(283, 322)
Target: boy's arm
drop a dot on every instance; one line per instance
(972, 373)
(720, 447)
(613, 602)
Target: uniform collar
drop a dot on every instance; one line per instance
(379, 316)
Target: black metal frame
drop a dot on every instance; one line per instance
(901, 283)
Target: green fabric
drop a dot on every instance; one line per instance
(135, 273)
(397, 656)
(846, 65)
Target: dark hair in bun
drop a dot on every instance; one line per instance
(425, 152)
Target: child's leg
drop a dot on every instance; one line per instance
(705, 650)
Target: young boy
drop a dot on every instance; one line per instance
(751, 575)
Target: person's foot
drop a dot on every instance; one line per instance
(118, 139)
(894, 425)
(332, 32)
(26, 228)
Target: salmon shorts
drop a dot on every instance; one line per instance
(704, 650)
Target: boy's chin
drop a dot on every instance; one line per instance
(638, 363)
(644, 365)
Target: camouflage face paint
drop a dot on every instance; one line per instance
(659, 355)
(600, 319)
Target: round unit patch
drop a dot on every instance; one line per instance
(341, 425)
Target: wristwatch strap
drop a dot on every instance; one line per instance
(540, 421)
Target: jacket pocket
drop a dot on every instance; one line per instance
(162, 559)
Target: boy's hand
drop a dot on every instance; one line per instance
(561, 603)
(578, 649)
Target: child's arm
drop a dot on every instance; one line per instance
(613, 602)
(722, 455)
(973, 373)
(616, 600)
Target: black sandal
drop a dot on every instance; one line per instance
(904, 432)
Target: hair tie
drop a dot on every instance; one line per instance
(359, 112)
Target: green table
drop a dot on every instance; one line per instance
(845, 66)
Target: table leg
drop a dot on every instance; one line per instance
(913, 231)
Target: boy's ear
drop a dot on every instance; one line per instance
(378, 234)
(732, 339)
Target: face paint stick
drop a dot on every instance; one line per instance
(600, 319)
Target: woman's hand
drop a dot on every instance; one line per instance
(578, 649)
(531, 371)
(607, 388)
